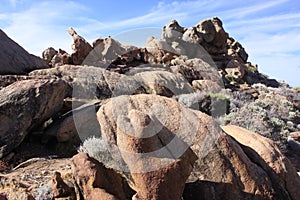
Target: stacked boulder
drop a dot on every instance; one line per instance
(141, 123)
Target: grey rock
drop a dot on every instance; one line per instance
(16, 60)
(24, 105)
(48, 54)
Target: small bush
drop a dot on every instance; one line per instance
(44, 192)
(252, 68)
(230, 78)
(220, 104)
(105, 153)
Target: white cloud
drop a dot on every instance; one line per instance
(263, 32)
(245, 10)
(42, 25)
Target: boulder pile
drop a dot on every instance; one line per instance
(185, 117)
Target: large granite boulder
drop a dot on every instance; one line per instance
(95, 180)
(146, 139)
(16, 60)
(136, 130)
(24, 105)
(80, 47)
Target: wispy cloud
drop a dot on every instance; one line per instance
(42, 25)
(245, 10)
(266, 28)
(187, 12)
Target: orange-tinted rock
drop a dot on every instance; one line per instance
(94, 179)
(267, 155)
(142, 128)
(80, 47)
(59, 187)
(295, 136)
(227, 173)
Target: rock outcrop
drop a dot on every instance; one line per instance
(113, 121)
(60, 58)
(26, 105)
(60, 188)
(226, 172)
(95, 180)
(80, 47)
(48, 54)
(16, 60)
(267, 155)
(138, 130)
(90, 82)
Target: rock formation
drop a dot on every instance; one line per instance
(48, 54)
(80, 47)
(16, 60)
(26, 105)
(113, 121)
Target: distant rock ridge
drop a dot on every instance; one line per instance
(227, 54)
(16, 60)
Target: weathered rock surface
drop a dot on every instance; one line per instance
(60, 188)
(138, 129)
(100, 83)
(24, 106)
(221, 160)
(267, 155)
(84, 82)
(207, 40)
(6, 80)
(107, 50)
(295, 136)
(235, 70)
(172, 31)
(60, 58)
(48, 54)
(206, 86)
(80, 47)
(135, 110)
(16, 60)
(77, 125)
(197, 69)
(95, 180)
(33, 178)
(227, 173)
(131, 59)
(87, 82)
(241, 170)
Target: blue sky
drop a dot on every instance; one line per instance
(269, 30)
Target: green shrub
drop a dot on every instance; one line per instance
(220, 104)
(252, 68)
(230, 78)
